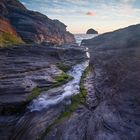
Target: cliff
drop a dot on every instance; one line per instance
(115, 99)
(110, 107)
(39, 27)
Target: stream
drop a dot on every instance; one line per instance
(65, 92)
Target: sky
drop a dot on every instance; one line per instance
(80, 15)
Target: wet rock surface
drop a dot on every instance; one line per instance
(112, 108)
(25, 67)
(116, 62)
(75, 126)
(33, 124)
(23, 70)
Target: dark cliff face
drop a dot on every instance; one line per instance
(112, 109)
(117, 39)
(34, 27)
(115, 58)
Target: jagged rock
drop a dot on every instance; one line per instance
(112, 110)
(22, 69)
(33, 124)
(91, 31)
(25, 67)
(39, 27)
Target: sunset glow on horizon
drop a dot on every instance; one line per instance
(80, 15)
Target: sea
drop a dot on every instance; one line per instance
(80, 37)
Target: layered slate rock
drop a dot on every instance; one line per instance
(91, 31)
(112, 109)
(39, 27)
(25, 67)
(25, 72)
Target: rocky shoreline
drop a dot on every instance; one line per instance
(109, 105)
(29, 70)
(36, 71)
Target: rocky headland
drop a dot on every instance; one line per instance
(18, 23)
(41, 76)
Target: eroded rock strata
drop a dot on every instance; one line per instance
(25, 72)
(112, 107)
(32, 27)
(108, 106)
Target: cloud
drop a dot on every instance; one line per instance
(24, 3)
(90, 13)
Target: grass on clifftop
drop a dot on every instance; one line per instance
(9, 39)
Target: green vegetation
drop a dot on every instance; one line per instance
(59, 80)
(76, 101)
(83, 90)
(62, 77)
(35, 92)
(9, 39)
(63, 67)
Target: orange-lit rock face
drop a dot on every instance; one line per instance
(8, 35)
(32, 27)
(5, 27)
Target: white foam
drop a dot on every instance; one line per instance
(71, 88)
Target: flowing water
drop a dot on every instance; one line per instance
(66, 91)
(46, 100)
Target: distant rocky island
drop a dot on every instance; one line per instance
(91, 31)
(40, 68)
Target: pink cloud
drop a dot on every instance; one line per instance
(90, 13)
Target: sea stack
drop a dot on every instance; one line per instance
(91, 31)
